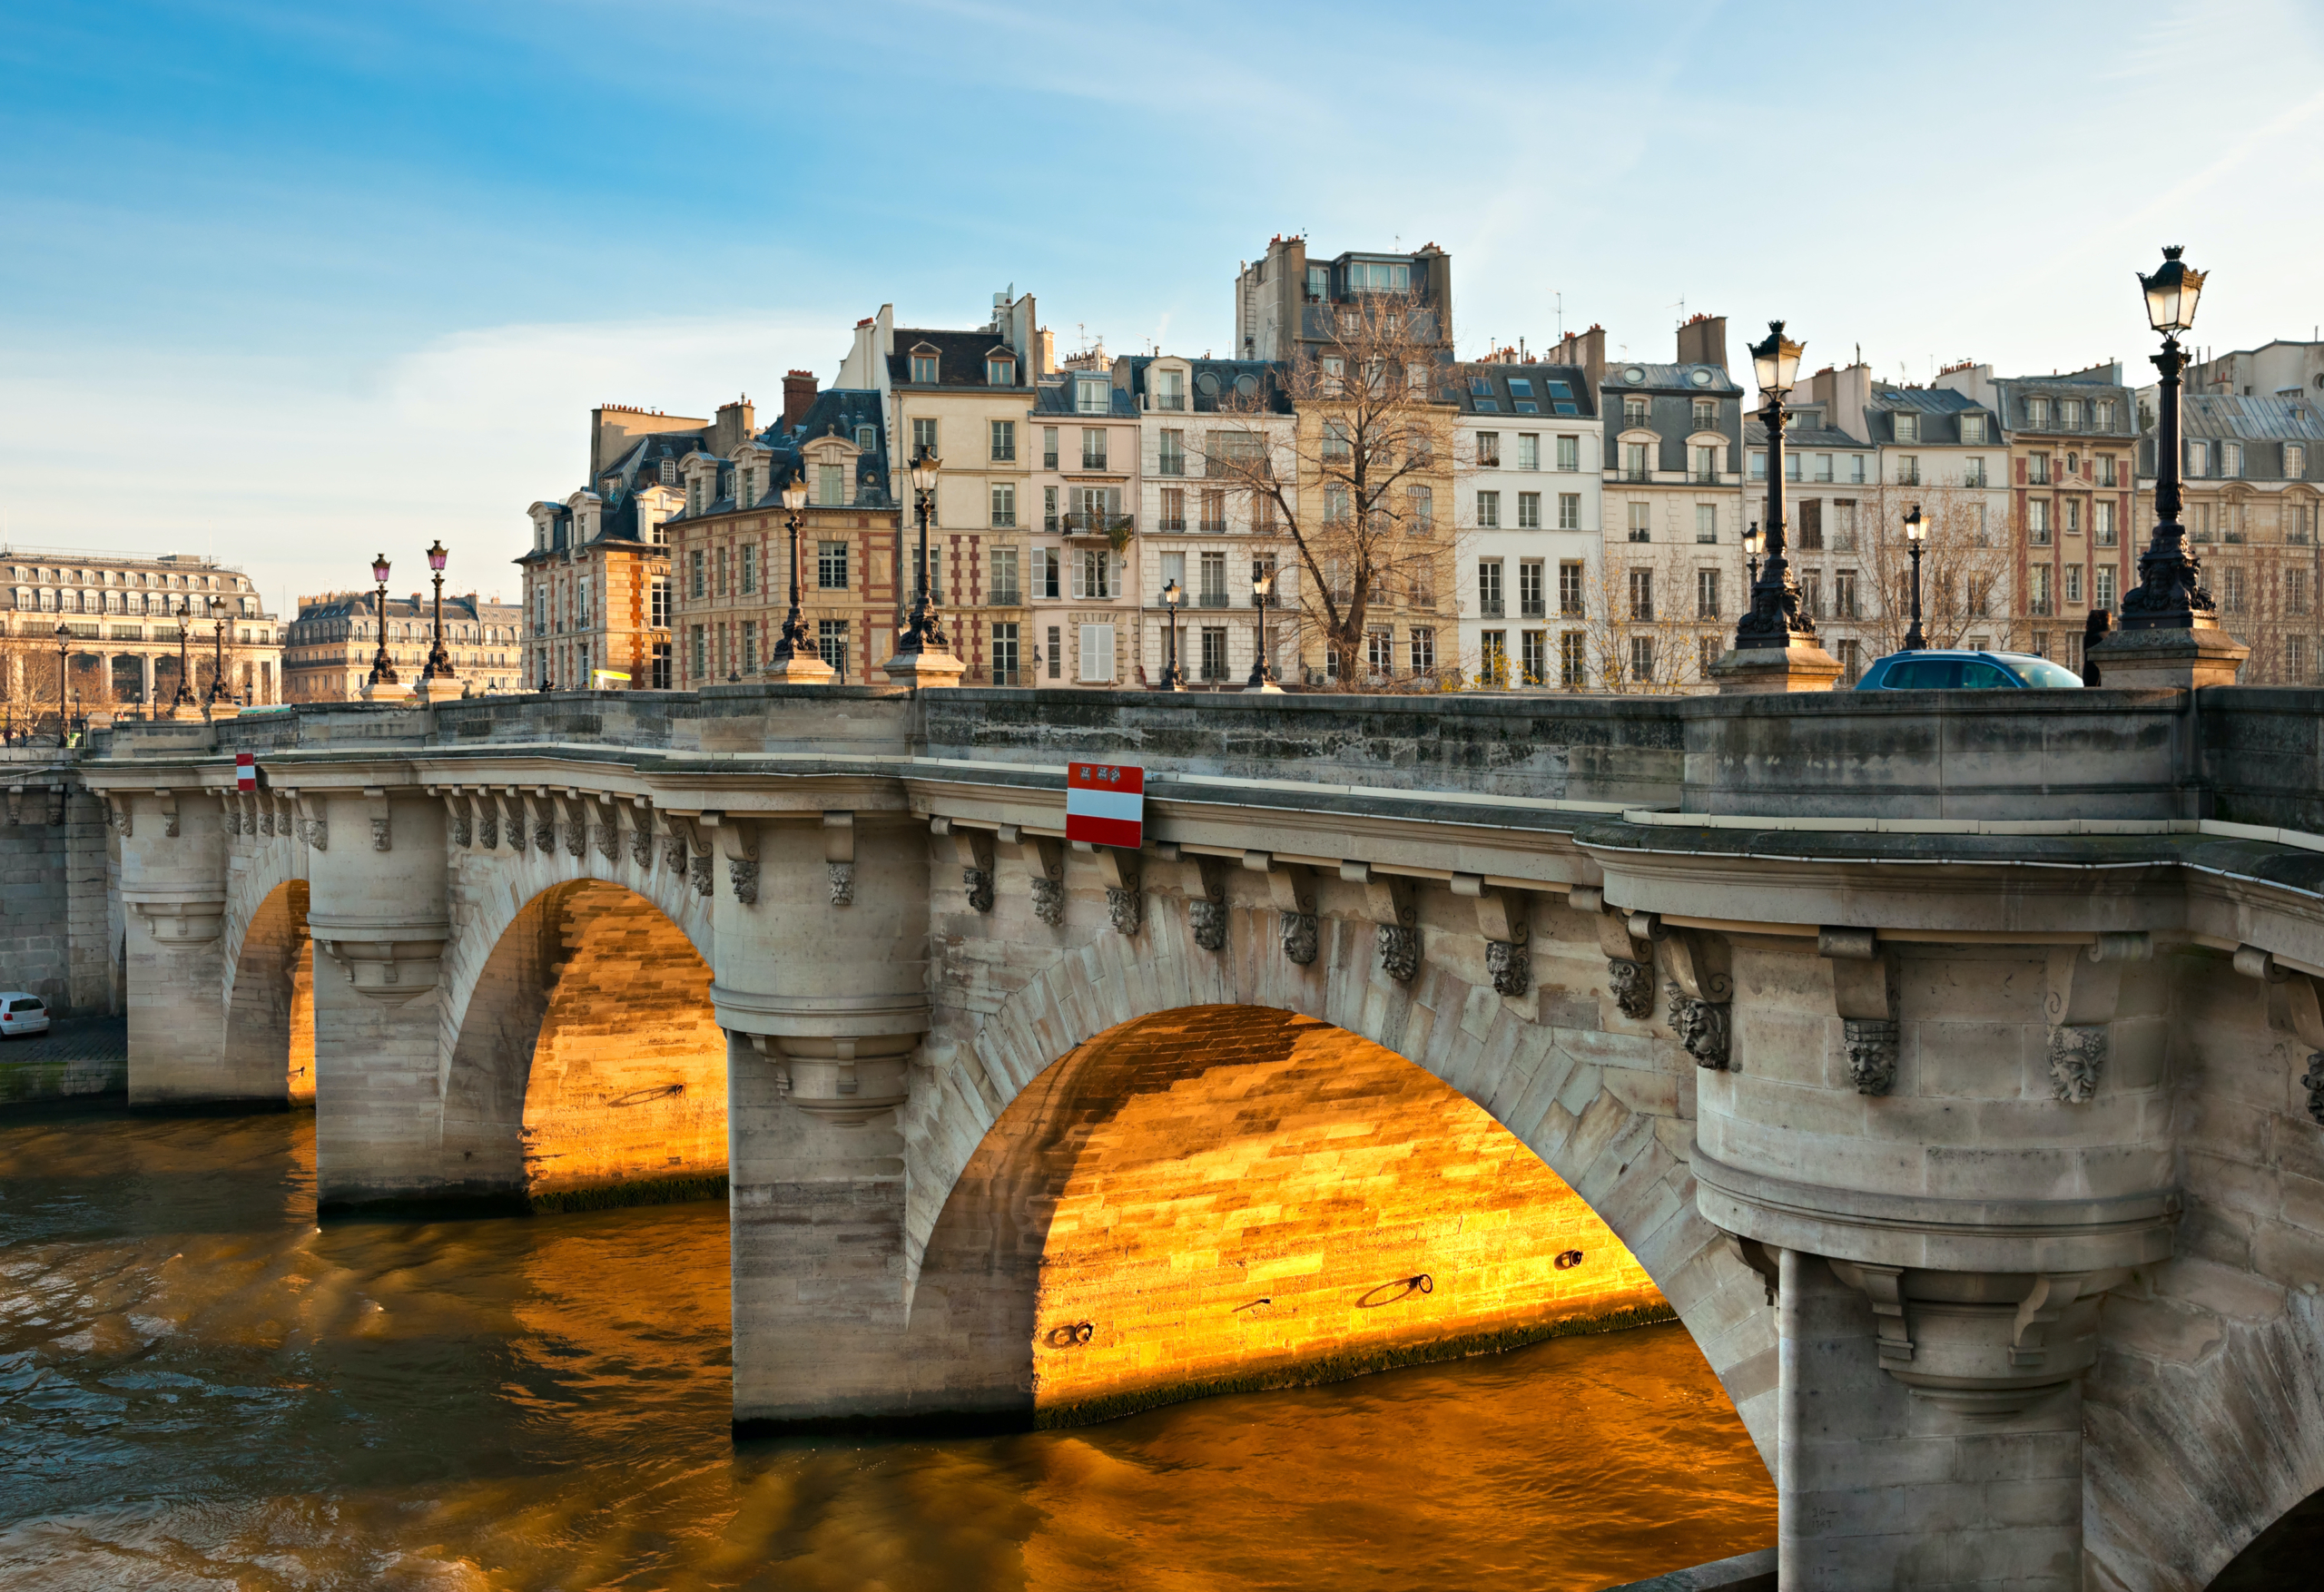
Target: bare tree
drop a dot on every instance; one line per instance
(1359, 486)
(1965, 568)
(1649, 624)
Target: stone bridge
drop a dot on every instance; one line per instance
(1947, 1063)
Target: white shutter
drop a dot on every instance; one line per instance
(1097, 653)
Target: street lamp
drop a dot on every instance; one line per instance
(926, 628)
(1262, 588)
(184, 697)
(2170, 594)
(1751, 550)
(1172, 678)
(1774, 618)
(218, 691)
(63, 716)
(383, 673)
(794, 627)
(1915, 533)
(439, 662)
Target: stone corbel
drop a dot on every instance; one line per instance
(455, 817)
(1981, 1344)
(166, 800)
(1388, 903)
(738, 841)
(1125, 886)
(673, 842)
(1204, 879)
(1864, 998)
(972, 850)
(182, 922)
(634, 823)
(540, 819)
(836, 1080)
(1505, 919)
(1291, 886)
(2294, 1008)
(390, 971)
(16, 807)
(1762, 1260)
(688, 850)
(1043, 860)
(375, 806)
(839, 856)
(314, 828)
(252, 804)
(604, 829)
(2086, 986)
(229, 813)
(514, 824)
(124, 817)
(1630, 960)
(573, 814)
(1701, 992)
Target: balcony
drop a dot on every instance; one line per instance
(1635, 476)
(1710, 477)
(1212, 599)
(1214, 528)
(1532, 608)
(1488, 608)
(1104, 525)
(1173, 523)
(1169, 464)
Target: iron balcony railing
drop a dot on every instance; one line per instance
(1488, 607)
(1211, 599)
(1079, 523)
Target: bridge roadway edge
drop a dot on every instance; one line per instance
(2171, 960)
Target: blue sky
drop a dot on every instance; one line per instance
(294, 282)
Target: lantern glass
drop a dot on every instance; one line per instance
(1775, 361)
(1260, 583)
(794, 495)
(1916, 528)
(436, 556)
(1171, 595)
(380, 570)
(2172, 292)
(923, 472)
(1751, 540)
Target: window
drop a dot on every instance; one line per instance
(1419, 509)
(1569, 453)
(2037, 521)
(2294, 461)
(2074, 585)
(2231, 459)
(1706, 593)
(1634, 411)
(1004, 438)
(1214, 580)
(1093, 449)
(1214, 651)
(1488, 511)
(1843, 525)
(923, 439)
(1568, 511)
(1488, 450)
(1530, 595)
(1170, 454)
(1337, 444)
(1706, 414)
(1570, 599)
(1096, 655)
(1004, 504)
(1707, 465)
(1908, 428)
(1642, 659)
(2037, 412)
(1642, 595)
(1493, 668)
(1048, 447)
(750, 646)
(1908, 469)
(694, 587)
(668, 473)
(1005, 591)
(1823, 470)
(2296, 657)
(1641, 522)
(1214, 511)
(1706, 521)
(830, 486)
(1529, 511)
(1973, 472)
(1000, 371)
(750, 569)
(1053, 651)
(830, 567)
(1174, 509)
(1488, 587)
(1092, 573)
(2106, 470)
(1424, 649)
(1046, 577)
(830, 645)
(718, 563)
(923, 368)
(2232, 589)
(1004, 652)
(1851, 660)
(2069, 414)
(1811, 593)
(1634, 461)
(1529, 450)
(1092, 395)
(698, 651)
(2038, 595)
(2295, 591)
(1843, 595)
(1169, 389)
(2101, 585)
(2199, 458)
(1573, 660)
(1758, 465)
(2073, 516)
(1973, 430)
(1319, 281)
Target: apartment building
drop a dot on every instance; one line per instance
(2251, 474)
(2280, 369)
(1082, 586)
(118, 618)
(328, 649)
(1673, 515)
(1831, 516)
(964, 396)
(596, 583)
(1285, 301)
(1199, 422)
(2072, 461)
(1528, 489)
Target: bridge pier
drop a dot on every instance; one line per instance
(173, 898)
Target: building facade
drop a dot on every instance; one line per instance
(2275, 369)
(2251, 476)
(1083, 586)
(330, 648)
(1528, 491)
(1284, 300)
(122, 617)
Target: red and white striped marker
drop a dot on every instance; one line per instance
(245, 771)
(1105, 805)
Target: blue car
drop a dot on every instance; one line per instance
(1966, 671)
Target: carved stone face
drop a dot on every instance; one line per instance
(2077, 1055)
(1633, 984)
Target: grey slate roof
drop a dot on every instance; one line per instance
(1526, 390)
(1234, 380)
(2262, 425)
(1823, 438)
(1668, 379)
(960, 357)
(2099, 381)
(1939, 407)
(1057, 398)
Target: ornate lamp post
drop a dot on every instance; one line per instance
(439, 662)
(794, 627)
(1774, 618)
(1262, 588)
(1172, 679)
(926, 629)
(1751, 550)
(2170, 594)
(184, 697)
(64, 716)
(1915, 533)
(218, 691)
(383, 673)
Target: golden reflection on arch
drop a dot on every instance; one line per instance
(270, 1050)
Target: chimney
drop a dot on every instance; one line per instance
(1046, 345)
(1702, 340)
(732, 429)
(798, 397)
(1586, 350)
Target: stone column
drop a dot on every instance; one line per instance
(821, 983)
(147, 662)
(173, 896)
(376, 871)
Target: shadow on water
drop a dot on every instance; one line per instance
(199, 1386)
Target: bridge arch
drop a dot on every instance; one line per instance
(270, 1041)
(585, 1066)
(1559, 1069)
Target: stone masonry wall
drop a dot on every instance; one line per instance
(55, 938)
(1233, 1196)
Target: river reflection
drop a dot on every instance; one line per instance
(200, 1388)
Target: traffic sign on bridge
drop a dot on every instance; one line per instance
(1105, 805)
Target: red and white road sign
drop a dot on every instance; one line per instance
(245, 771)
(1105, 805)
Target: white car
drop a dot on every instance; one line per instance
(21, 1014)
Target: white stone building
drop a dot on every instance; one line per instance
(1526, 496)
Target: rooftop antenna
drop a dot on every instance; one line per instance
(1560, 295)
(1681, 307)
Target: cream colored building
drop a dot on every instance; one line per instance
(121, 616)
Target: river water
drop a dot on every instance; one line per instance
(200, 1388)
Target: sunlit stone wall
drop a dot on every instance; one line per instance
(1230, 1197)
(270, 1018)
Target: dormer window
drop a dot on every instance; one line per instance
(923, 365)
(1091, 395)
(2037, 412)
(1908, 428)
(866, 437)
(1169, 389)
(1973, 428)
(669, 472)
(1000, 370)
(612, 489)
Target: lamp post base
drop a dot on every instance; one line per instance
(436, 688)
(1744, 672)
(387, 691)
(925, 668)
(2168, 660)
(802, 669)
